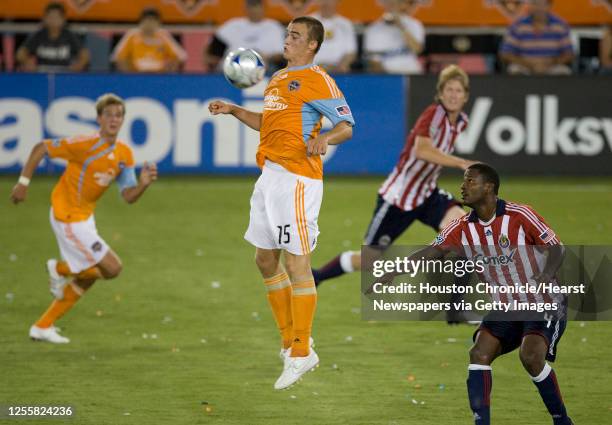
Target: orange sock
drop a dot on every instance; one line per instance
(58, 308)
(63, 269)
(279, 297)
(303, 306)
(90, 273)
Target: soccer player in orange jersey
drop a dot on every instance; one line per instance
(287, 196)
(93, 163)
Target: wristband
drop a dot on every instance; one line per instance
(24, 180)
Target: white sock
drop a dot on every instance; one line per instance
(473, 366)
(543, 375)
(346, 261)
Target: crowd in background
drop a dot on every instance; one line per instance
(539, 42)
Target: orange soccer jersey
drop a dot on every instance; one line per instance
(295, 102)
(148, 54)
(92, 166)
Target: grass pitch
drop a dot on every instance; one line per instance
(187, 322)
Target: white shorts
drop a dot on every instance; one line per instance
(79, 243)
(284, 211)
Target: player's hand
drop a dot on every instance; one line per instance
(542, 278)
(218, 107)
(317, 146)
(19, 193)
(148, 174)
(467, 164)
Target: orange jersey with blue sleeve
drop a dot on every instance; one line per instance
(93, 164)
(295, 102)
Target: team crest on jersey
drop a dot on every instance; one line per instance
(190, 7)
(503, 241)
(295, 7)
(97, 246)
(294, 85)
(510, 8)
(607, 3)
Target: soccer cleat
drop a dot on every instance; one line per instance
(47, 334)
(286, 352)
(56, 282)
(294, 368)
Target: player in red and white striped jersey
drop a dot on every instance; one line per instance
(410, 192)
(512, 236)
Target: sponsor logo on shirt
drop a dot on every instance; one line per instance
(274, 102)
(104, 178)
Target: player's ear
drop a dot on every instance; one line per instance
(312, 45)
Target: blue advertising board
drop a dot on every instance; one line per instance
(167, 120)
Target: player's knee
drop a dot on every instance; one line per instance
(480, 356)
(532, 360)
(266, 263)
(113, 270)
(297, 267)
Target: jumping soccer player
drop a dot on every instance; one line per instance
(411, 190)
(498, 228)
(287, 196)
(93, 163)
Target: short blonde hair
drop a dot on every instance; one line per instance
(108, 99)
(452, 72)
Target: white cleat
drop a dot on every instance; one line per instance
(294, 368)
(286, 352)
(47, 334)
(56, 282)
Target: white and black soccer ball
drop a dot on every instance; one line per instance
(243, 67)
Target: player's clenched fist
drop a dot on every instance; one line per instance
(148, 174)
(18, 194)
(218, 107)
(317, 146)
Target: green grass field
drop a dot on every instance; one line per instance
(152, 345)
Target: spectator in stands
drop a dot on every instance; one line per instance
(605, 51)
(253, 31)
(392, 43)
(339, 50)
(148, 48)
(538, 43)
(53, 48)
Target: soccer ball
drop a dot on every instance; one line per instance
(243, 68)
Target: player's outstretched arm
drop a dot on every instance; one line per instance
(252, 119)
(148, 175)
(20, 190)
(425, 150)
(339, 134)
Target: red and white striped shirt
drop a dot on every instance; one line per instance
(412, 180)
(508, 246)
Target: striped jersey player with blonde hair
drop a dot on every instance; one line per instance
(94, 161)
(287, 196)
(411, 190)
